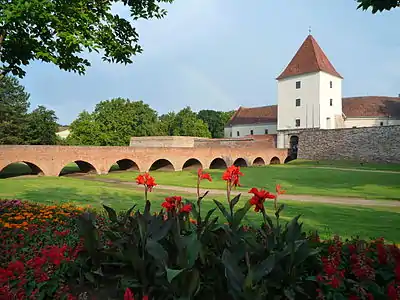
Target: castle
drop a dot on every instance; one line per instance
(310, 96)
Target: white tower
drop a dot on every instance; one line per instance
(309, 92)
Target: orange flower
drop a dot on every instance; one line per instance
(232, 175)
(279, 190)
(259, 198)
(146, 180)
(202, 175)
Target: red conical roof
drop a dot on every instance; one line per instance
(309, 59)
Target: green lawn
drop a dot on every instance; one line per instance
(297, 177)
(346, 165)
(295, 180)
(328, 219)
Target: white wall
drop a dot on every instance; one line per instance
(308, 93)
(246, 130)
(326, 93)
(369, 122)
(63, 134)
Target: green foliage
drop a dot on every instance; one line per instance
(215, 120)
(41, 127)
(59, 32)
(167, 257)
(14, 104)
(378, 5)
(113, 123)
(184, 123)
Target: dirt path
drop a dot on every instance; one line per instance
(300, 198)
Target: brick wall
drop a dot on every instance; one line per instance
(369, 144)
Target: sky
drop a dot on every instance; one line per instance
(223, 54)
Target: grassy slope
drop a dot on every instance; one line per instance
(295, 179)
(328, 219)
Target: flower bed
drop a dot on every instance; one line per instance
(182, 252)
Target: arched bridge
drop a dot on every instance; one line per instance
(50, 160)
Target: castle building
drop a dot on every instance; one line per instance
(310, 96)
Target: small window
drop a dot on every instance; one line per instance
(266, 131)
(251, 132)
(298, 102)
(237, 133)
(230, 134)
(354, 126)
(297, 122)
(298, 84)
(330, 102)
(330, 84)
(381, 123)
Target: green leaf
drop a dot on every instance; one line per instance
(209, 213)
(281, 207)
(89, 276)
(240, 214)
(195, 213)
(222, 208)
(156, 250)
(193, 249)
(194, 282)
(265, 267)
(171, 274)
(235, 200)
(232, 271)
(162, 231)
(112, 215)
(128, 213)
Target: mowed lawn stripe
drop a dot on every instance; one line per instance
(294, 179)
(328, 219)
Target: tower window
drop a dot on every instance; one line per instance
(298, 84)
(298, 102)
(237, 133)
(330, 102)
(330, 84)
(297, 122)
(266, 131)
(381, 123)
(230, 134)
(251, 132)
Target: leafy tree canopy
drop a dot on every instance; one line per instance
(113, 123)
(215, 120)
(60, 32)
(378, 5)
(14, 104)
(186, 123)
(41, 127)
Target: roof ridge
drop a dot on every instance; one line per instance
(309, 58)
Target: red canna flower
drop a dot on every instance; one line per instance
(146, 180)
(128, 294)
(202, 175)
(259, 198)
(187, 208)
(232, 175)
(145, 297)
(279, 190)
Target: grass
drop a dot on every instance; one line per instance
(347, 221)
(295, 180)
(346, 165)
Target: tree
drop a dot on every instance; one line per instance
(166, 123)
(41, 127)
(60, 32)
(378, 5)
(186, 123)
(84, 131)
(14, 104)
(113, 123)
(215, 120)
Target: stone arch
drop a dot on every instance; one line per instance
(162, 165)
(20, 168)
(218, 163)
(240, 162)
(81, 166)
(259, 161)
(124, 164)
(192, 164)
(293, 146)
(275, 161)
(288, 159)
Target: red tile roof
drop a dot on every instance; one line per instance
(371, 106)
(254, 115)
(353, 107)
(309, 59)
